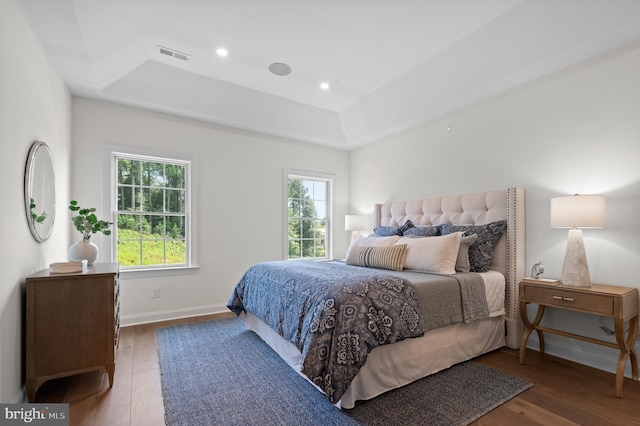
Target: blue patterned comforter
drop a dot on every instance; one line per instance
(333, 313)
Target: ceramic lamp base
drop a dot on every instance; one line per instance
(575, 271)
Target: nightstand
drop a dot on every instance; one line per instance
(619, 303)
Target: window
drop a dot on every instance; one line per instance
(309, 207)
(152, 212)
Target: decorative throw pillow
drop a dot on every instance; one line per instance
(422, 231)
(386, 231)
(385, 257)
(480, 252)
(372, 242)
(407, 225)
(462, 262)
(432, 254)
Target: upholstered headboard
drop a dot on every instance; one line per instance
(475, 209)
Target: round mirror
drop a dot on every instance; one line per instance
(40, 191)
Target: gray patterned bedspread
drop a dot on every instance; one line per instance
(334, 314)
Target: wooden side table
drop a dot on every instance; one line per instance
(619, 303)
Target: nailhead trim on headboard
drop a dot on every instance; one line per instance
(515, 264)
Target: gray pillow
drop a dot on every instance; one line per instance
(462, 262)
(407, 225)
(422, 231)
(389, 231)
(480, 252)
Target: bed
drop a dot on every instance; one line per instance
(415, 346)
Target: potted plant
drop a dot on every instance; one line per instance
(87, 223)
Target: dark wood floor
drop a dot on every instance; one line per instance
(564, 393)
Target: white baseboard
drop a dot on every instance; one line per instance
(150, 317)
(592, 355)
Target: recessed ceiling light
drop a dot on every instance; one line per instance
(278, 68)
(222, 52)
(324, 85)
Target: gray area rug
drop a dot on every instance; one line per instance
(218, 373)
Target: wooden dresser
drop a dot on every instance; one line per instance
(72, 323)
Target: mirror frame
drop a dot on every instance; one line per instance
(39, 182)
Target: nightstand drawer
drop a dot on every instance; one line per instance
(579, 301)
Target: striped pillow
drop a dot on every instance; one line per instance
(385, 257)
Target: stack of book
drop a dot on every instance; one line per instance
(68, 267)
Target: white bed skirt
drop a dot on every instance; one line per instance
(392, 366)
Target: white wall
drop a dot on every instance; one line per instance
(240, 199)
(574, 132)
(34, 105)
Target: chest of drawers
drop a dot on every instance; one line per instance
(72, 323)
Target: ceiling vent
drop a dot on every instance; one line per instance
(173, 53)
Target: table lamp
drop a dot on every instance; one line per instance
(576, 211)
(355, 223)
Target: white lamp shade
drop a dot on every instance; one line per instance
(354, 222)
(578, 211)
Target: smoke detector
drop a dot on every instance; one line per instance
(173, 53)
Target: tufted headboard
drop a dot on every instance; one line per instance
(475, 209)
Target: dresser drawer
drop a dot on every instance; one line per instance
(568, 299)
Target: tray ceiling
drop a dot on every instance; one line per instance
(390, 65)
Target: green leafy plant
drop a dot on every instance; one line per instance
(86, 221)
(36, 218)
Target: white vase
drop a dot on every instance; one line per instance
(84, 249)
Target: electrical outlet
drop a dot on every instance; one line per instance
(155, 292)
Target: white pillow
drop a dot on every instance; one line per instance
(373, 242)
(432, 254)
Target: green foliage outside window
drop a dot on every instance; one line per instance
(151, 213)
(307, 207)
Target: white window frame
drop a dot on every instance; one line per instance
(111, 200)
(330, 180)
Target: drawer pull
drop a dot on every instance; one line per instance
(566, 299)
